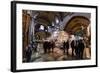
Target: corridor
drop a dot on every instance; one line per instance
(55, 36)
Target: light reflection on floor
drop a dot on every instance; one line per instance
(57, 55)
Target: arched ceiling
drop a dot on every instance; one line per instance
(76, 24)
(46, 17)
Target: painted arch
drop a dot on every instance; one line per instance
(75, 24)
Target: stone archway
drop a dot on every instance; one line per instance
(78, 25)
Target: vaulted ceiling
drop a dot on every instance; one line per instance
(77, 24)
(46, 18)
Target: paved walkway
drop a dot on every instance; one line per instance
(56, 55)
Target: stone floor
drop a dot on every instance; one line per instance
(56, 55)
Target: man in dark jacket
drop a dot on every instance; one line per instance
(52, 45)
(66, 46)
(28, 53)
(81, 48)
(77, 49)
(45, 44)
(73, 47)
(49, 46)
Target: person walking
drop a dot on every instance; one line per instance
(81, 48)
(28, 54)
(73, 47)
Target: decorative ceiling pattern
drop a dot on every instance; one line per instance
(46, 22)
(77, 24)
